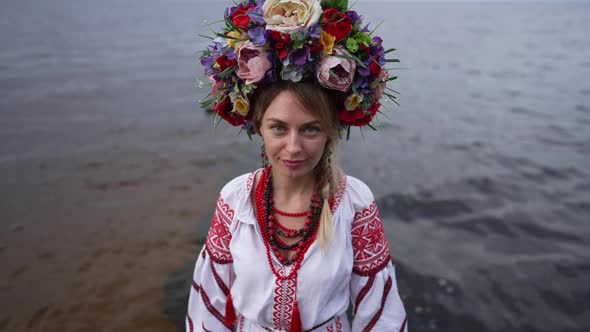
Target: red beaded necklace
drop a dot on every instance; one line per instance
(289, 214)
(271, 228)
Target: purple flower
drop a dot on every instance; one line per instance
(291, 73)
(355, 18)
(229, 52)
(207, 63)
(361, 85)
(364, 72)
(299, 56)
(376, 49)
(258, 36)
(256, 16)
(315, 31)
(365, 28)
(229, 11)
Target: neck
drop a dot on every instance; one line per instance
(287, 188)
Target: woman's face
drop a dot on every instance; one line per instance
(293, 137)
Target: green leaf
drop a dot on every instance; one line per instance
(340, 4)
(351, 57)
(369, 125)
(348, 133)
(350, 7)
(392, 60)
(377, 27)
(385, 115)
(227, 72)
(229, 23)
(208, 37)
(210, 24)
(389, 50)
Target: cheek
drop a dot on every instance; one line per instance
(272, 148)
(316, 149)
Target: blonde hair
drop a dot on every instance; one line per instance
(322, 104)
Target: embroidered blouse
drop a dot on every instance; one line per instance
(356, 268)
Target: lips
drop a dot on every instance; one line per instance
(292, 163)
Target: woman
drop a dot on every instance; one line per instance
(293, 243)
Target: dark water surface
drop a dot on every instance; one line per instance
(482, 174)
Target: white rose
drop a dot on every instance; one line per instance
(290, 15)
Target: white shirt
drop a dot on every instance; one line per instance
(355, 268)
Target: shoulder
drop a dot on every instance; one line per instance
(238, 186)
(359, 194)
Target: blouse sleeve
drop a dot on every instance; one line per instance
(377, 306)
(212, 276)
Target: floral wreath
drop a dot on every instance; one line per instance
(264, 41)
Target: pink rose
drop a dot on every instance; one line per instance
(336, 73)
(380, 85)
(216, 85)
(253, 62)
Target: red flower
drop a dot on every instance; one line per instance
(224, 62)
(240, 16)
(280, 42)
(358, 117)
(220, 107)
(337, 23)
(223, 109)
(316, 46)
(374, 66)
(363, 50)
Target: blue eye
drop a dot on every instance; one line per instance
(312, 130)
(277, 128)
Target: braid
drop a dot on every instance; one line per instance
(327, 175)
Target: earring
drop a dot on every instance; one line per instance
(263, 157)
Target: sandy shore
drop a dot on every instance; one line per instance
(102, 240)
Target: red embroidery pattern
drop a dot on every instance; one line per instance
(361, 295)
(190, 323)
(208, 305)
(250, 181)
(371, 250)
(338, 324)
(335, 200)
(219, 235)
(284, 299)
(241, 323)
(218, 280)
(373, 321)
(204, 328)
(403, 328)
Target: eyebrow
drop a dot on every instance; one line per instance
(284, 123)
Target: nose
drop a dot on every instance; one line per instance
(293, 146)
